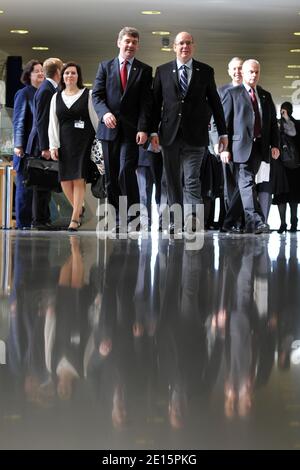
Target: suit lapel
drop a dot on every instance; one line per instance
(133, 74)
(115, 69)
(262, 99)
(174, 72)
(195, 75)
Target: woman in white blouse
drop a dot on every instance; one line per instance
(72, 126)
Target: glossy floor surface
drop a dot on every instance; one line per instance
(148, 344)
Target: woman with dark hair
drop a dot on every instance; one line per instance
(32, 77)
(286, 181)
(72, 126)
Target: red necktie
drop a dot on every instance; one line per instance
(257, 120)
(123, 74)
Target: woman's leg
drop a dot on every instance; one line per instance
(67, 187)
(282, 212)
(78, 199)
(294, 219)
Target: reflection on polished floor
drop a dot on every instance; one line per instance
(143, 344)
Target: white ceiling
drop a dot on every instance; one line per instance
(85, 31)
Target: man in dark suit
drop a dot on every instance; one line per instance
(38, 141)
(122, 100)
(229, 181)
(251, 122)
(183, 89)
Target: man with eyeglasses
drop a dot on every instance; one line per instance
(183, 90)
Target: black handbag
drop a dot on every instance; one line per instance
(98, 188)
(289, 154)
(42, 174)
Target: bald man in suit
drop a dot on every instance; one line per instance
(253, 133)
(183, 90)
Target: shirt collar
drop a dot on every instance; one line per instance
(188, 64)
(121, 60)
(248, 88)
(53, 82)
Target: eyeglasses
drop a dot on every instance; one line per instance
(182, 43)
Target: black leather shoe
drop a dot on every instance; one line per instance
(262, 228)
(233, 229)
(44, 227)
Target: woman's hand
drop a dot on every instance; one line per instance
(54, 154)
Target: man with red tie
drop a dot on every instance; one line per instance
(253, 135)
(122, 99)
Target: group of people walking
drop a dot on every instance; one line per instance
(130, 113)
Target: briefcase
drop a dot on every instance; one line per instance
(42, 174)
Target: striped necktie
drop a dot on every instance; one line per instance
(183, 80)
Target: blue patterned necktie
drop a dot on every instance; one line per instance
(183, 80)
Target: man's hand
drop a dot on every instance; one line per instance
(223, 144)
(19, 152)
(275, 152)
(109, 120)
(46, 154)
(155, 142)
(54, 154)
(141, 138)
(225, 157)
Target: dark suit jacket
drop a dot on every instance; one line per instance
(132, 108)
(38, 139)
(22, 119)
(239, 117)
(192, 112)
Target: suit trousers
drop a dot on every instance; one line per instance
(247, 190)
(40, 206)
(121, 159)
(23, 202)
(182, 164)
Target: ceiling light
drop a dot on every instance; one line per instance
(166, 49)
(292, 76)
(289, 86)
(294, 50)
(1, 11)
(151, 12)
(87, 84)
(161, 33)
(286, 96)
(40, 48)
(297, 33)
(19, 31)
(293, 66)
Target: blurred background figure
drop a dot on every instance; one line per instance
(286, 188)
(32, 77)
(149, 173)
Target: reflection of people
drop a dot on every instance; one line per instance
(182, 89)
(72, 127)
(251, 121)
(71, 330)
(286, 180)
(32, 77)
(122, 100)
